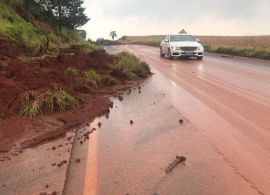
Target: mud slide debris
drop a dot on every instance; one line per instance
(178, 160)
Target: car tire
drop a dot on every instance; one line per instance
(199, 58)
(169, 55)
(161, 53)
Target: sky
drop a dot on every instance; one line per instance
(158, 17)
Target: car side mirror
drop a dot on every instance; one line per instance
(198, 40)
(166, 41)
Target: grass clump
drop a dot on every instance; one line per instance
(130, 67)
(49, 101)
(108, 80)
(73, 71)
(89, 47)
(92, 77)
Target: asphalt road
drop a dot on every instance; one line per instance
(225, 107)
(225, 137)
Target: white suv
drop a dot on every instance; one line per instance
(181, 45)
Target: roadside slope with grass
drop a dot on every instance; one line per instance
(52, 81)
(246, 46)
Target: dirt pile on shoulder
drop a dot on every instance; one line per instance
(40, 74)
(17, 77)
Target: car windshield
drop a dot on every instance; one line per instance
(178, 38)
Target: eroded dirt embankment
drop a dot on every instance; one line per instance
(22, 74)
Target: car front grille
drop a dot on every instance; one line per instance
(188, 48)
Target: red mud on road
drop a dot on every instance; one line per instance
(18, 76)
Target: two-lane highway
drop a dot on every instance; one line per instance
(225, 137)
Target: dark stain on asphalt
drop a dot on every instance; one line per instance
(131, 122)
(181, 121)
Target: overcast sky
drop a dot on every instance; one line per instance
(155, 17)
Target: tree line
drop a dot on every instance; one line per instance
(63, 13)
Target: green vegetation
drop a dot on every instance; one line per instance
(108, 80)
(49, 101)
(38, 36)
(130, 67)
(73, 71)
(89, 46)
(64, 13)
(91, 77)
(113, 34)
(245, 52)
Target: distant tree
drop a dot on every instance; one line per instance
(113, 34)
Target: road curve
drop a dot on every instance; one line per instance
(225, 104)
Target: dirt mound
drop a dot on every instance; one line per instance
(41, 74)
(9, 50)
(17, 77)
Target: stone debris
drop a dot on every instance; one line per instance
(120, 98)
(178, 160)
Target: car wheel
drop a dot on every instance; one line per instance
(170, 55)
(199, 58)
(161, 53)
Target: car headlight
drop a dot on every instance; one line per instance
(200, 48)
(175, 48)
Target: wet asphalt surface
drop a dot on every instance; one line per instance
(213, 112)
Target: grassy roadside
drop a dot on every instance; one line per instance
(37, 36)
(237, 51)
(215, 45)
